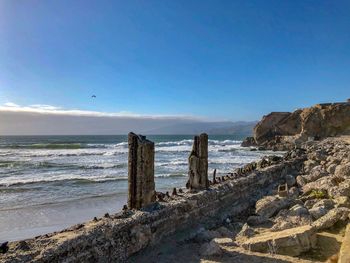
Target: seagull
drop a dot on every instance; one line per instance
(93, 96)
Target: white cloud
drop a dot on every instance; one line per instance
(11, 104)
(49, 109)
(44, 107)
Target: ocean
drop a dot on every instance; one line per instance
(51, 182)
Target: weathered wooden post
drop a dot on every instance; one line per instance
(198, 163)
(140, 171)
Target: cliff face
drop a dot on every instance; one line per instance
(284, 130)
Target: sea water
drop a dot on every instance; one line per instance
(51, 182)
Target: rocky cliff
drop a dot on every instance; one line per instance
(284, 130)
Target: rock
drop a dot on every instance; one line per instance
(270, 205)
(309, 165)
(293, 193)
(315, 173)
(290, 242)
(323, 183)
(290, 180)
(310, 203)
(224, 232)
(248, 142)
(210, 249)
(342, 201)
(331, 168)
(4, 247)
(332, 217)
(256, 220)
(22, 245)
(225, 241)
(317, 212)
(246, 231)
(326, 203)
(343, 171)
(298, 210)
(205, 235)
(300, 181)
(343, 189)
(318, 155)
(298, 216)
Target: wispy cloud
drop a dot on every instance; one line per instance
(50, 109)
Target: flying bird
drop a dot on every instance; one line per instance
(93, 96)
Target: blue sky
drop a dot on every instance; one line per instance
(222, 60)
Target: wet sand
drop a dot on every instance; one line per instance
(18, 224)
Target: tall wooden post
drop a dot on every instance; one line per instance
(198, 163)
(140, 171)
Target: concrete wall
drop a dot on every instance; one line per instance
(115, 238)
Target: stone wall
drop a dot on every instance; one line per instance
(115, 238)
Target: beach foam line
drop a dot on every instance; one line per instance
(72, 180)
(61, 166)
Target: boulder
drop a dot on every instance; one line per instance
(332, 217)
(210, 249)
(256, 220)
(331, 168)
(205, 235)
(326, 203)
(318, 155)
(317, 212)
(315, 173)
(309, 165)
(290, 242)
(300, 181)
(248, 142)
(310, 203)
(294, 217)
(342, 201)
(343, 189)
(343, 170)
(323, 183)
(224, 232)
(246, 231)
(290, 180)
(298, 210)
(293, 192)
(270, 205)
